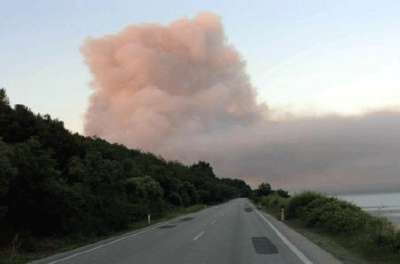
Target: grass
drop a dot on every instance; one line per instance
(331, 244)
(50, 246)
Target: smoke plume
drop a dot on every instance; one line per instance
(181, 90)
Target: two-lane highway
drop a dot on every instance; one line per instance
(230, 233)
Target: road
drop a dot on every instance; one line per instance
(230, 233)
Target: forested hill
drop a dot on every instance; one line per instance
(53, 182)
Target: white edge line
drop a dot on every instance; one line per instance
(198, 236)
(289, 244)
(106, 244)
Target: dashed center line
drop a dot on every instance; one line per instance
(198, 236)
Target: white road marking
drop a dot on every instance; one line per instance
(289, 244)
(198, 236)
(106, 244)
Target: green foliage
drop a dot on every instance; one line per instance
(175, 199)
(298, 202)
(264, 189)
(34, 192)
(328, 213)
(372, 235)
(374, 238)
(3, 97)
(6, 169)
(188, 194)
(334, 216)
(274, 202)
(53, 182)
(146, 191)
(7, 173)
(383, 234)
(282, 193)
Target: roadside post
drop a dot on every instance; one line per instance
(149, 219)
(282, 213)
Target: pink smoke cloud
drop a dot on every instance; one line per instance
(181, 90)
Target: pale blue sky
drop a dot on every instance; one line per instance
(302, 56)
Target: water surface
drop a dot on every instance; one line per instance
(380, 204)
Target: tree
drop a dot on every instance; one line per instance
(263, 189)
(6, 114)
(146, 191)
(55, 182)
(76, 170)
(7, 172)
(175, 199)
(189, 194)
(33, 192)
(282, 193)
(4, 101)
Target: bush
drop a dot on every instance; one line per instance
(274, 202)
(298, 202)
(382, 233)
(396, 242)
(175, 199)
(333, 215)
(282, 193)
(264, 189)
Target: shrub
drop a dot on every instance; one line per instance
(382, 233)
(274, 202)
(175, 199)
(282, 193)
(396, 242)
(333, 215)
(298, 202)
(374, 234)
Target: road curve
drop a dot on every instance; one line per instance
(230, 233)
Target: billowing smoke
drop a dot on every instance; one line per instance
(182, 91)
(154, 83)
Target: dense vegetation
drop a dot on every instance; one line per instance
(374, 238)
(54, 183)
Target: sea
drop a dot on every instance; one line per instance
(379, 204)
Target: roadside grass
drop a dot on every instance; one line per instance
(332, 244)
(49, 246)
(365, 240)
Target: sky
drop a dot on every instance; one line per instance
(303, 94)
(303, 57)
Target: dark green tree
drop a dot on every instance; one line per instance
(282, 193)
(264, 189)
(7, 173)
(35, 191)
(56, 182)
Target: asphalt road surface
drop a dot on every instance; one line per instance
(230, 233)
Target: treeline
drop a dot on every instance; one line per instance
(373, 238)
(53, 182)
